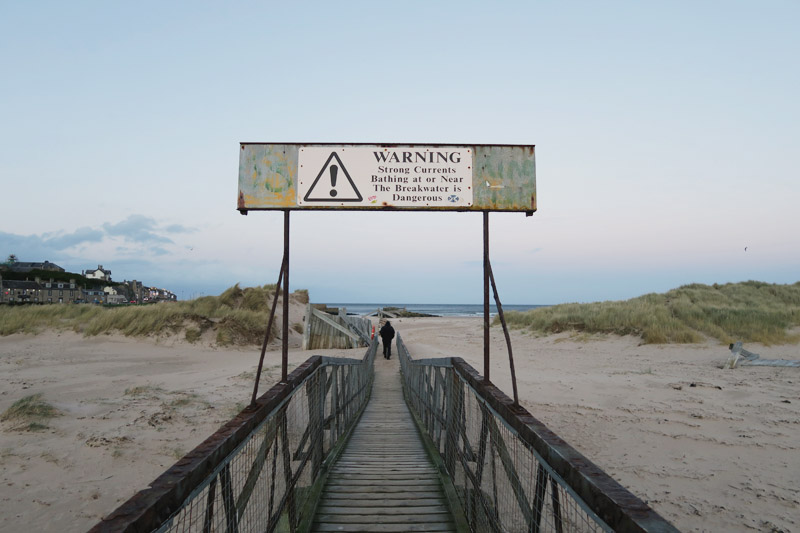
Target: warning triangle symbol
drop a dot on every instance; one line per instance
(333, 184)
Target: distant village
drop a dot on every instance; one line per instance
(42, 283)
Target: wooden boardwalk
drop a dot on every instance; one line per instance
(384, 480)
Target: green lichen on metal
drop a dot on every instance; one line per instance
(504, 178)
(267, 176)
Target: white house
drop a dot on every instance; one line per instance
(114, 296)
(98, 273)
(109, 290)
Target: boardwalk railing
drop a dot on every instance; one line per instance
(324, 330)
(263, 470)
(509, 471)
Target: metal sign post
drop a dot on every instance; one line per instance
(486, 338)
(285, 336)
(387, 177)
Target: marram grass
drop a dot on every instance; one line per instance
(29, 413)
(237, 316)
(750, 311)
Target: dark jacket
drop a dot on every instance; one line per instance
(387, 332)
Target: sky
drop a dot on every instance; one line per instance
(666, 141)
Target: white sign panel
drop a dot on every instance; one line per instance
(364, 176)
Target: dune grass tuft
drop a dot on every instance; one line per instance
(144, 391)
(29, 413)
(750, 311)
(193, 335)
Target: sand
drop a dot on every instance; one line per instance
(709, 449)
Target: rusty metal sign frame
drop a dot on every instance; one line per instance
(503, 176)
(503, 180)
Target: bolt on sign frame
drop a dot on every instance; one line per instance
(387, 177)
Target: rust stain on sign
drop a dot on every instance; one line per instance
(398, 177)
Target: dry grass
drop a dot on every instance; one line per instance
(193, 335)
(29, 413)
(751, 311)
(144, 391)
(237, 316)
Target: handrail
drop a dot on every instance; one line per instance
(257, 471)
(510, 471)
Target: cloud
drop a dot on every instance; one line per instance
(137, 228)
(39, 247)
(178, 228)
(79, 236)
(9, 241)
(138, 233)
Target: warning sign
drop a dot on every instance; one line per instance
(328, 187)
(367, 176)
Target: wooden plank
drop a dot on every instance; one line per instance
(402, 434)
(384, 480)
(366, 500)
(383, 528)
(406, 454)
(381, 519)
(390, 418)
(382, 485)
(372, 476)
(390, 509)
(398, 436)
(773, 362)
(335, 325)
(381, 500)
(411, 472)
(379, 483)
(381, 455)
(386, 461)
(343, 489)
(362, 326)
(400, 441)
(307, 328)
(386, 467)
(411, 458)
(364, 447)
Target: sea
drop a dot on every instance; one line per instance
(454, 310)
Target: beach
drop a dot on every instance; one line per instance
(709, 449)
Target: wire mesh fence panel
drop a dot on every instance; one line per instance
(265, 480)
(257, 473)
(509, 471)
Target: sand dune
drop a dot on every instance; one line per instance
(710, 449)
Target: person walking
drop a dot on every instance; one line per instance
(387, 334)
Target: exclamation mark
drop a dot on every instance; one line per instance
(334, 171)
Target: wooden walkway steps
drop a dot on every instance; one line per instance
(384, 480)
